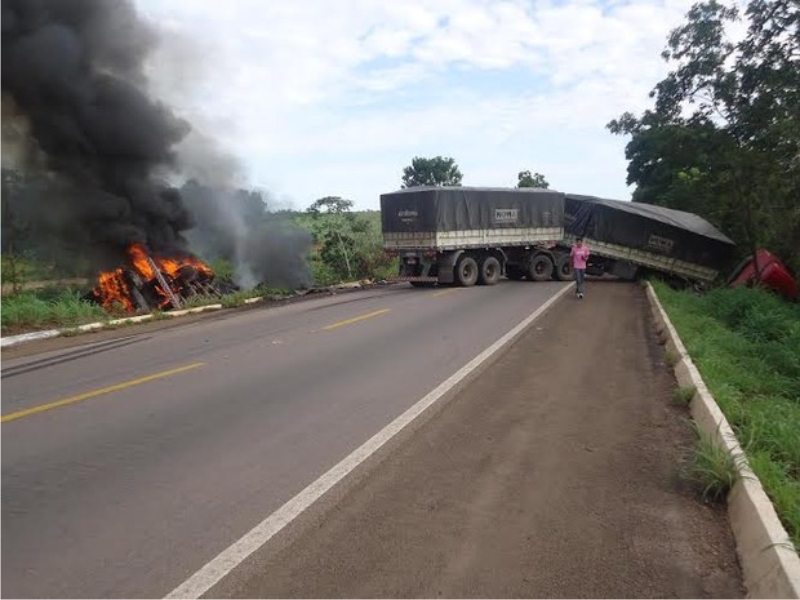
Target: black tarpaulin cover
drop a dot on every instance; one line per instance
(427, 209)
(649, 228)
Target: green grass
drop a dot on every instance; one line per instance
(671, 357)
(746, 344)
(63, 307)
(235, 299)
(684, 394)
(198, 301)
(713, 468)
(28, 311)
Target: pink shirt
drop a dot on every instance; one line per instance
(579, 256)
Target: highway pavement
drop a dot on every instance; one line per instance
(555, 474)
(131, 460)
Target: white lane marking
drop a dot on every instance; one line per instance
(213, 572)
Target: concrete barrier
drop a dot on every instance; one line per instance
(770, 564)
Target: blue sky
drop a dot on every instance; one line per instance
(315, 98)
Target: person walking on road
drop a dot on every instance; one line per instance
(579, 255)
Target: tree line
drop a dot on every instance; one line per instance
(722, 138)
(246, 242)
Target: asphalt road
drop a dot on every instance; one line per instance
(554, 474)
(130, 462)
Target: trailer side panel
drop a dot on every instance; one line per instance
(441, 217)
(652, 236)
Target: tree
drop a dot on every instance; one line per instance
(330, 205)
(349, 244)
(335, 228)
(437, 171)
(537, 180)
(723, 137)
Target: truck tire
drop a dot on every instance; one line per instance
(466, 271)
(514, 272)
(563, 268)
(541, 268)
(489, 271)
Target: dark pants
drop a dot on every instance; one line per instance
(579, 277)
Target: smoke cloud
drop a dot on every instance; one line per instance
(88, 153)
(235, 225)
(74, 69)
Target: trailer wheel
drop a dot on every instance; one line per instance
(563, 270)
(514, 272)
(489, 272)
(541, 268)
(466, 271)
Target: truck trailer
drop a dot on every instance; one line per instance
(469, 235)
(629, 239)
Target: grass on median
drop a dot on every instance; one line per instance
(685, 394)
(712, 467)
(54, 308)
(28, 311)
(746, 344)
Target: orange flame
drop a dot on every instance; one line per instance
(138, 256)
(112, 290)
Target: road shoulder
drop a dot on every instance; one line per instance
(555, 474)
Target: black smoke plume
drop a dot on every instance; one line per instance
(72, 71)
(85, 147)
(265, 248)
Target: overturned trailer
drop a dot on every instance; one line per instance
(469, 235)
(148, 282)
(628, 239)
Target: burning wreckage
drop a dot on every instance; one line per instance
(151, 282)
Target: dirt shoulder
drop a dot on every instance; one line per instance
(553, 475)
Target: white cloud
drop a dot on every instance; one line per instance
(319, 98)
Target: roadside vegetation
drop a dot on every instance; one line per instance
(46, 309)
(347, 247)
(722, 138)
(54, 308)
(746, 344)
(712, 467)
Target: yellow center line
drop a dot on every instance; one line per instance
(356, 319)
(450, 291)
(106, 390)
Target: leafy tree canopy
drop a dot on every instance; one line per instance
(723, 136)
(437, 171)
(537, 180)
(330, 205)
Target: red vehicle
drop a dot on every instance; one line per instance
(773, 275)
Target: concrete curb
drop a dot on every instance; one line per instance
(770, 564)
(13, 340)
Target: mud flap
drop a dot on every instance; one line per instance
(447, 265)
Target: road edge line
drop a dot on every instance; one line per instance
(234, 555)
(770, 565)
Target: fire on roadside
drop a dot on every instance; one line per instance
(151, 282)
